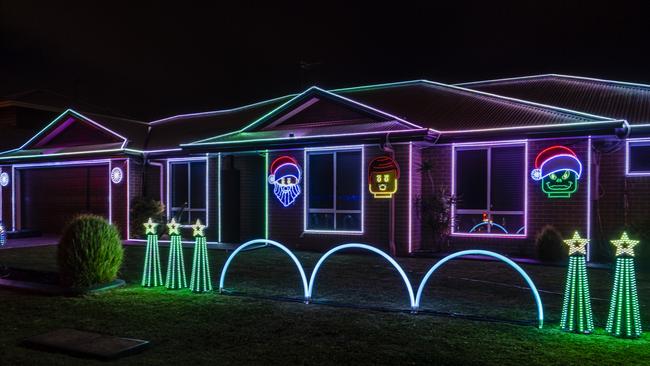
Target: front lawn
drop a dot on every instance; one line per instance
(188, 329)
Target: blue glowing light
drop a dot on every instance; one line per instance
(365, 247)
(285, 175)
(270, 242)
(491, 224)
(529, 281)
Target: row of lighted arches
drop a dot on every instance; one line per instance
(414, 298)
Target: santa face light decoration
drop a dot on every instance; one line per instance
(383, 174)
(285, 175)
(558, 169)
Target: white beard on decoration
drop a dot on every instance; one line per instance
(286, 194)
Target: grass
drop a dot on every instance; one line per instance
(188, 328)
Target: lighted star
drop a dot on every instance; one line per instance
(198, 228)
(174, 227)
(625, 245)
(150, 227)
(577, 244)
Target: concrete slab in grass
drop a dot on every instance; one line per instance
(86, 344)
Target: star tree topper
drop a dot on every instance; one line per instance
(577, 244)
(150, 227)
(625, 245)
(198, 228)
(174, 227)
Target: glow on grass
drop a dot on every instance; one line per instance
(529, 281)
(232, 256)
(399, 269)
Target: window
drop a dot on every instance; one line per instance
(638, 157)
(334, 191)
(490, 186)
(188, 191)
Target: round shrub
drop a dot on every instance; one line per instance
(90, 252)
(550, 245)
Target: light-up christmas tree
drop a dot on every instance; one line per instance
(201, 280)
(152, 274)
(176, 264)
(624, 318)
(576, 310)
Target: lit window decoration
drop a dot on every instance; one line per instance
(624, 319)
(117, 175)
(175, 264)
(3, 235)
(559, 170)
(383, 175)
(487, 222)
(577, 316)
(201, 281)
(152, 274)
(4, 179)
(285, 175)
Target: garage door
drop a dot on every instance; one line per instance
(51, 196)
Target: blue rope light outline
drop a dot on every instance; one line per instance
(533, 289)
(264, 241)
(488, 223)
(365, 247)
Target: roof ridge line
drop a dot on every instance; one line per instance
(527, 103)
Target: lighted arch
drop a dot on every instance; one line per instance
(365, 247)
(270, 242)
(538, 300)
(488, 223)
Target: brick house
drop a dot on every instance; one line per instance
(326, 167)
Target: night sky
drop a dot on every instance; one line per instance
(148, 60)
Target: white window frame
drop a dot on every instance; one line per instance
(306, 210)
(170, 163)
(456, 211)
(628, 152)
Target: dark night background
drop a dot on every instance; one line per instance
(148, 60)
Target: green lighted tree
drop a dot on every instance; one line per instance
(151, 275)
(576, 310)
(176, 264)
(624, 318)
(201, 280)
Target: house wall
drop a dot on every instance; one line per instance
(566, 215)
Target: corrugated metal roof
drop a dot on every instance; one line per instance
(614, 99)
(445, 108)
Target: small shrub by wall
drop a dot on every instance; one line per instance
(550, 245)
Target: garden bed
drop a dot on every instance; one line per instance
(46, 283)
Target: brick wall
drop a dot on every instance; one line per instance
(567, 215)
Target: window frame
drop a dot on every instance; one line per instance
(634, 142)
(334, 211)
(455, 211)
(169, 208)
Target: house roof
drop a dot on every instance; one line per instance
(615, 99)
(443, 109)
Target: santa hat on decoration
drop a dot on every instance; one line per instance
(382, 164)
(555, 159)
(282, 167)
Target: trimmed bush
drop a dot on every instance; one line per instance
(550, 245)
(90, 252)
(142, 209)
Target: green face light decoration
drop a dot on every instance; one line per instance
(559, 170)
